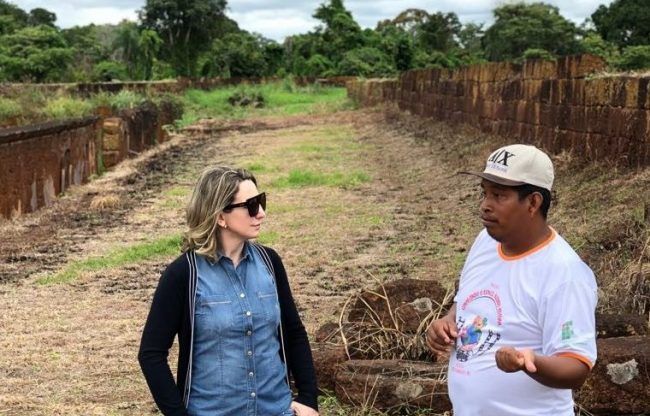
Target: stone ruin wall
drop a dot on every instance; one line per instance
(561, 106)
(40, 161)
(177, 86)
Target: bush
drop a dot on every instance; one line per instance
(634, 57)
(535, 53)
(107, 71)
(8, 108)
(66, 107)
(366, 62)
(435, 59)
(126, 99)
(317, 65)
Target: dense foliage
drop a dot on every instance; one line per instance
(195, 38)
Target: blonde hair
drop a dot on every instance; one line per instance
(214, 191)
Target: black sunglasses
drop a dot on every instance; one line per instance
(251, 204)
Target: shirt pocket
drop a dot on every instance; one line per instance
(270, 307)
(215, 313)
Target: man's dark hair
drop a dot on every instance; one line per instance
(524, 190)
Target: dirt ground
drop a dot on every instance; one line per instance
(70, 348)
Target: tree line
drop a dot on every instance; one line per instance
(195, 38)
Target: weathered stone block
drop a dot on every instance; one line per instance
(620, 381)
(327, 358)
(620, 325)
(379, 305)
(113, 142)
(387, 385)
(579, 66)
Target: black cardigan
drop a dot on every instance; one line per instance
(170, 315)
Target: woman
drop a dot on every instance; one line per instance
(229, 302)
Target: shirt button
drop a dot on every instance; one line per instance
(241, 295)
(248, 313)
(253, 394)
(249, 333)
(251, 374)
(250, 353)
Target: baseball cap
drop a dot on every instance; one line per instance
(518, 164)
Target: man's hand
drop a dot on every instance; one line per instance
(442, 334)
(302, 410)
(511, 360)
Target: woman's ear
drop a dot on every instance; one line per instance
(221, 221)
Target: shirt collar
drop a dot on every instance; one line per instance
(246, 253)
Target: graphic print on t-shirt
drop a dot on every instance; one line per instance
(479, 334)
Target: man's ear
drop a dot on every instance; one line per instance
(535, 203)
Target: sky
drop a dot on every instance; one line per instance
(276, 19)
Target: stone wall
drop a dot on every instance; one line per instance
(40, 161)
(558, 105)
(157, 87)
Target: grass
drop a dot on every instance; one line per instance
(301, 178)
(67, 107)
(8, 108)
(279, 101)
(161, 247)
(268, 237)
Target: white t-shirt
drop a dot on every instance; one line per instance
(545, 300)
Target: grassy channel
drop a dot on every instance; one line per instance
(282, 98)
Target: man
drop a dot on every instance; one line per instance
(522, 328)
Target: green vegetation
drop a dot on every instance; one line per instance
(300, 178)
(165, 246)
(66, 107)
(278, 97)
(8, 109)
(175, 38)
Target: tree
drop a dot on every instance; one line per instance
(438, 32)
(593, 44)
(624, 22)
(107, 71)
(340, 32)
(40, 16)
(127, 48)
(635, 57)
(87, 50)
(149, 44)
(397, 43)
(237, 55)
(187, 28)
(518, 27)
(366, 62)
(12, 18)
(408, 20)
(318, 65)
(36, 53)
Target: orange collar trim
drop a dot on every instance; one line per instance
(529, 252)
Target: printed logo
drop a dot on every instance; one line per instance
(500, 157)
(475, 337)
(567, 330)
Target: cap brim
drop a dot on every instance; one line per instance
(494, 178)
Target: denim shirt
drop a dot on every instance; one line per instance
(236, 366)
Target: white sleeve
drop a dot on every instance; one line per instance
(477, 241)
(567, 316)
